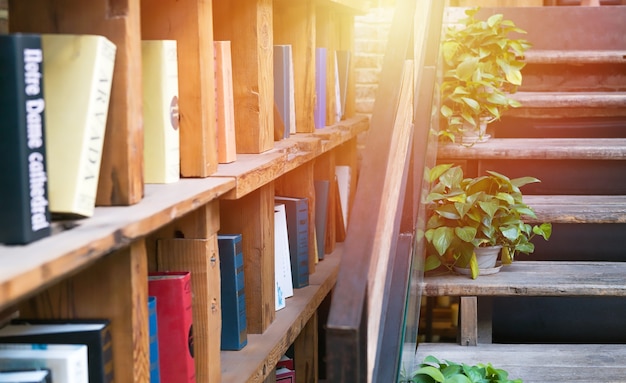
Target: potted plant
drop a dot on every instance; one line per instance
(432, 370)
(481, 68)
(469, 214)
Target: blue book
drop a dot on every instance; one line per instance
(297, 210)
(25, 216)
(234, 328)
(153, 333)
(320, 88)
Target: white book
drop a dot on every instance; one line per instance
(160, 111)
(34, 376)
(343, 182)
(78, 74)
(66, 362)
(282, 259)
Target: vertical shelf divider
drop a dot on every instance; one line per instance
(252, 216)
(247, 24)
(294, 23)
(190, 23)
(121, 171)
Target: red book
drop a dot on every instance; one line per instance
(174, 318)
(285, 375)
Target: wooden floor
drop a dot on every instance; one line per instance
(571, 363)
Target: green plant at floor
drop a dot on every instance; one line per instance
(432, 370)
(465, 213)
(481, 68)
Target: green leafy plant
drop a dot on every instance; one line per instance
(481, 68)
(432, 370)
(465, 213)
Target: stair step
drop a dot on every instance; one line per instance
(574, 57)
(538, 148)
(578, 208)
(569, 104)
(539, 363)
(535, 278)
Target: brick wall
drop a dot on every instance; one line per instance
(4, 16)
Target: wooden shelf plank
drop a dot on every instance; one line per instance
(577, 208)
(28, 268)
(575, 57)
(535, 278)
(254, 170)
(259, 357)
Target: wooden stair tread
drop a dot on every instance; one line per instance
(570, 99)
(534, 278)
(539, 363)
(538, 148)
(578, 208)
(575, 57)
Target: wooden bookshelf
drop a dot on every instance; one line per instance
(98, 267)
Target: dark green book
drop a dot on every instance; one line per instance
(24, 183)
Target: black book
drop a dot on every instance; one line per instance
(95, 333)
(24, 184)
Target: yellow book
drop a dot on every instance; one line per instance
(77, 87)
(160, 111)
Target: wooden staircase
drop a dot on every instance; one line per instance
(557, 315)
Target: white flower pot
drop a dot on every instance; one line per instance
(487, 256)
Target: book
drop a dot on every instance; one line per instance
(234, 329)
(77, 90)
(161, 149)
(153, 336)
(285, 361)
(343, 75)
(67, 362)
(282, 260)
(320, 88)
(297, 212)
(322, 188)
(94, 333)
(24, 183)
(172, 290)
(285, 375)
(27, 376)
(224, 103)
(284, 87)
(343, 174)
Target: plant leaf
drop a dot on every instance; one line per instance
(465, 70)
(466, 233)
(473, 263)
(432, 372)
(442, 238)
(432, 262)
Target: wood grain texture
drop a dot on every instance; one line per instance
(254, 170)
(247, 25)
(255, 361)
(190, 23)
(540, 363)
(252, 216)
(200, 257)
(306, 352)
(468, 310)
(324, 169)
(294, 23)
(535, 278)
(538, 148)
(121, 171)
(577, 208)
(576, 57)
(118, 283)
(28, 268)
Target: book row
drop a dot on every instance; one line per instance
(55, 92)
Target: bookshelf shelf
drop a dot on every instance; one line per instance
(98, 266)
(263, 351)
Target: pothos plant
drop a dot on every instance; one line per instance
(465, 213)
(482, 66)
(433, 370)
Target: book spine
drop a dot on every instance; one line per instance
(320, 88)
(160, 111)
(155, 376)
(301, 259)
(224, 103)
(80, 69)
(234, 329)
(24, 186)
